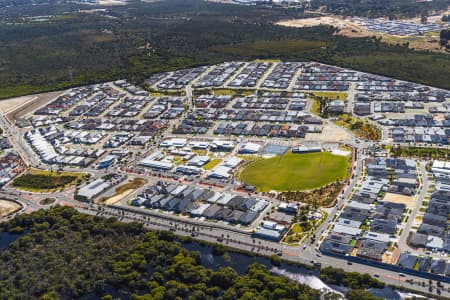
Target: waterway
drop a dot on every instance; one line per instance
(7, 238)
(240, 262)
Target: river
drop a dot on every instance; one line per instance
(240, 263)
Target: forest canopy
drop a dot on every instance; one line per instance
(73, 48)
(63, 254)
(67, 255)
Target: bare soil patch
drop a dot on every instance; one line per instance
(330, 133)
(24, 106)
(7, 207)
(397, 198)
(345, 26)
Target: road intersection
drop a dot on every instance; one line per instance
(234, 237)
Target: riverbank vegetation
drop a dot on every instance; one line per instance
(67, 255)
(354, 280)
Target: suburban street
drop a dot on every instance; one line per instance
(235, 236)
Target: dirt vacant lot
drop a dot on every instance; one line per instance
(429, 41)
(15, 108)
(346, 27)
(396, 198)
(331, 133)
(7, 207)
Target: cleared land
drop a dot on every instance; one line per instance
(295, 172)
(9, 104)
(7, 207)
(330, 133)
(345, 26)
(124, 190)
(396, 198)
(16, 108)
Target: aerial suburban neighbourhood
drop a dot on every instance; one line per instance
(317, 164)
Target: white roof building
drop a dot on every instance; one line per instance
(225, 199)
(380, 237)
(435, 242)
(198, 145)
(346, 229)
(198, 161)
(222, 144)
(199, 210)
(174, 142)
(347, 222)
(259, 205)
(250, 148)
(273, 226)
(220, 172)
(441, 167)
(360, 205)
(156, 164)
(178, 190)
(93, 189)
(214, 198)
(231, 162)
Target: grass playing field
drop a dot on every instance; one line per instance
(295, 172)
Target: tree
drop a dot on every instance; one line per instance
(358, 294)
(224, 277)
(275, 260)
(423, 19)
(218, 249)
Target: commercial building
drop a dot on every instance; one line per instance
(107, 161)
(92, 190)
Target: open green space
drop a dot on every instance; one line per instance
(294, 235)
(293, 172)
(45, 181)
(212, 163)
